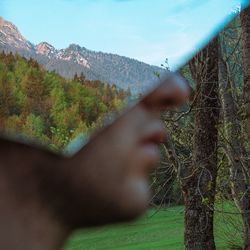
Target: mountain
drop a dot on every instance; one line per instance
(10, 36)
(114, 69)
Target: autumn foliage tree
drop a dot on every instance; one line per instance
(48, 108)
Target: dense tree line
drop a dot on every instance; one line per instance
(48, 108)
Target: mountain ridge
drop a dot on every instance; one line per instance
(122, 71)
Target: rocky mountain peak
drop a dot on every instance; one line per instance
(8, 25)
(45, 48)
(75, 47)
(109, 68)
(9, 34)
(1, 21)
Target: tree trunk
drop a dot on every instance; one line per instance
(235, 150)
(199, 186)
(245, 24)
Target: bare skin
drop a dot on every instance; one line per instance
(44, 197)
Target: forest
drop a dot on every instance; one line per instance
(45, 107)
(205, 164)
(206, 157)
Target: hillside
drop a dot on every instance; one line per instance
(122, 71)
(48, 108)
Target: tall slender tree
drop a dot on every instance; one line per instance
(245, 24)
(234, 148)
(199, 183)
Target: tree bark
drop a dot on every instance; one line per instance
(245, 24)
(235, 149)
(199, 186)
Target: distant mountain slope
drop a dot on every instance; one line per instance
(114, 69)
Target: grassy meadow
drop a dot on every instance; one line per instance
(157, 230)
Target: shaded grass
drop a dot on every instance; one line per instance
(228, 226)
(154, 231)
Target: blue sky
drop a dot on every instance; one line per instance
(147, 30)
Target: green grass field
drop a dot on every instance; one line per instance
(155, 231)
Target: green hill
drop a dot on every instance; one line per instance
(46, 107)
